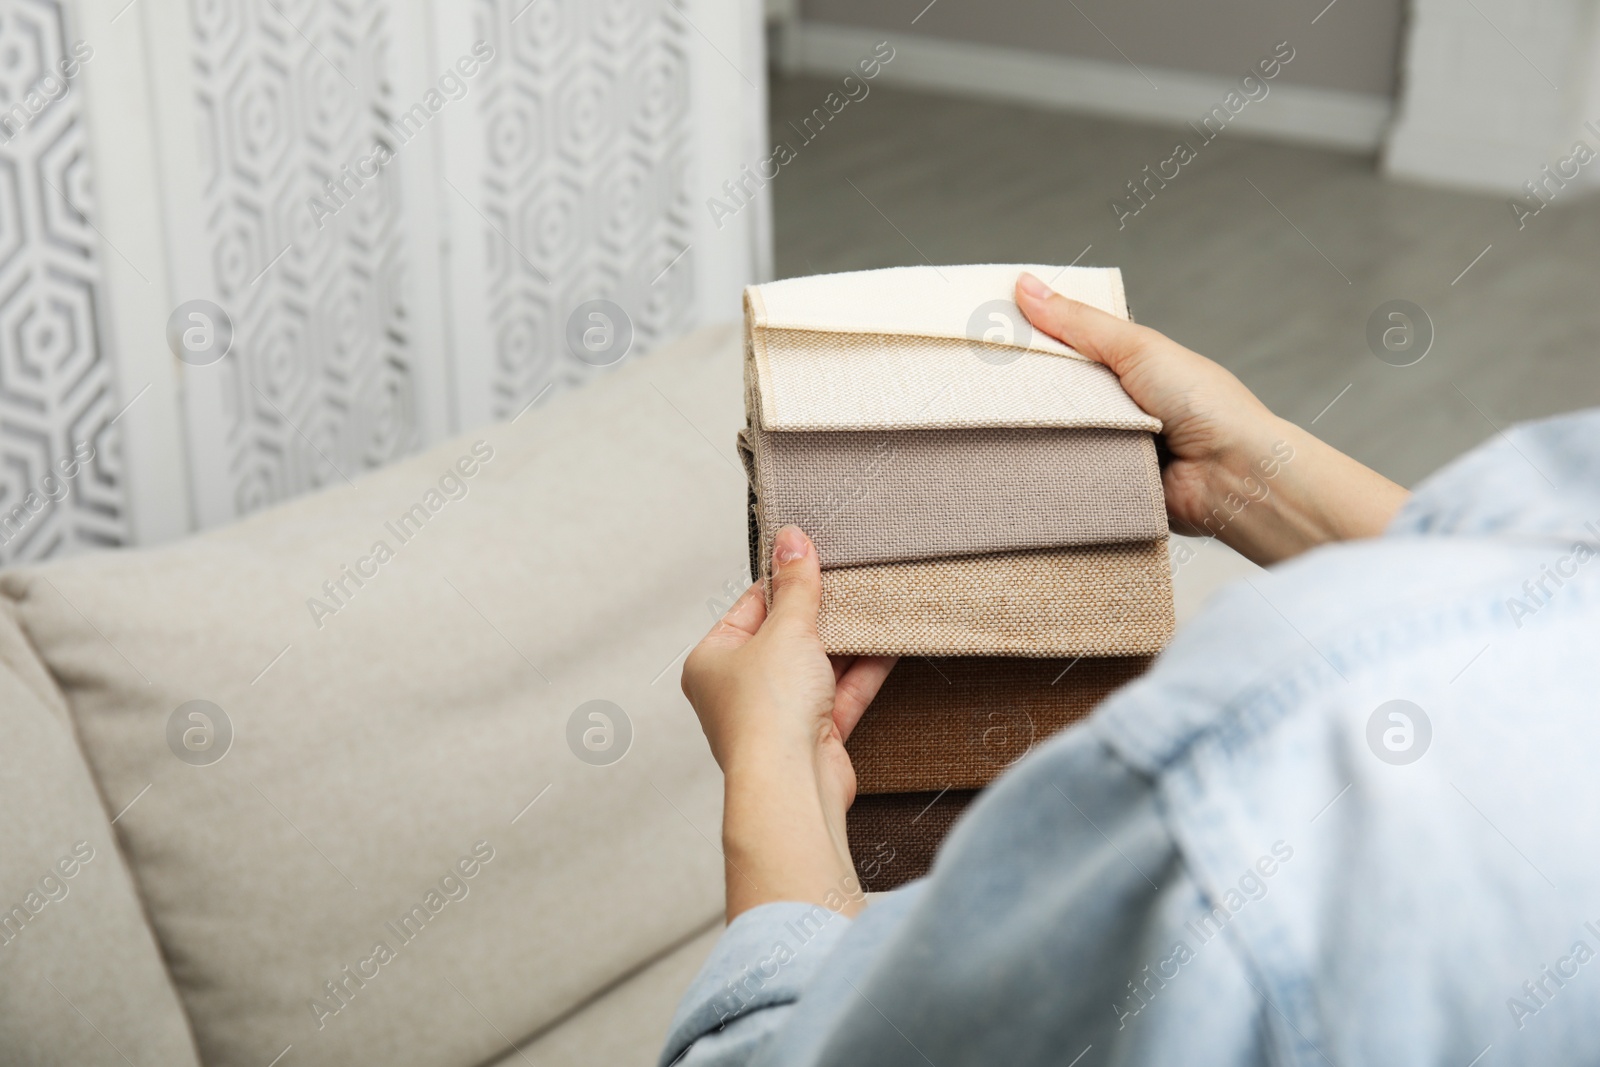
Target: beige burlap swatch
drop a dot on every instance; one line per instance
(1094, 600)
(893, 836)
(884, 496)
(958, 723)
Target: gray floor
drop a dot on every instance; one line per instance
(1219, 265)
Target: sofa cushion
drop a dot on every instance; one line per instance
(415, 844)
(81, 978)
(626, 1025)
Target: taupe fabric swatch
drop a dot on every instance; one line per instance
(958, 723)
(1095, 600)
(882, 496)
(893, 836)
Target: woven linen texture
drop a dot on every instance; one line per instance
(958, 723)
(1096, 600)
(950, 301)
(752, 513)
(883, 496)
(893, 836)
(810, 380)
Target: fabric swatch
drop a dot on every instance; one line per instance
(959, 723)
(921, 494)
(807, 380)
(1095, 600)
(893, 836)
(758, 560)
(927, 301)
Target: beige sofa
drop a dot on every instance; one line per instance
(394, 729)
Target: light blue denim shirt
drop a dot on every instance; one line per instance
(1252, 854)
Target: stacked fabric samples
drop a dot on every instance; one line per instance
(986, 504)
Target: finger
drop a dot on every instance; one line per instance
(1104, 338)
(796, 582)
(840, 664)
(747, 613)
(856, 689)
(737, 625)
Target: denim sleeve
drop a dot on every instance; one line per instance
(731, 1015)
(746, 987)
(1042, 932)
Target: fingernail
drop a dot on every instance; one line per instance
(790, 544)
(1034, 287)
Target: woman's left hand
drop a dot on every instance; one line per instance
(776, 711)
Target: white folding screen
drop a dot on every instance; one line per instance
(566, 182)
(400, 209)
(335, 368)
(61, 477)
(579, 171)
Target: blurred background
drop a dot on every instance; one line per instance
(1404, 153)
(395, 219)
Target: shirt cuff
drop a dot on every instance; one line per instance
(762, 961)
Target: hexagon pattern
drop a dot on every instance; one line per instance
(57, 389)
(321, 382)
(586, 122)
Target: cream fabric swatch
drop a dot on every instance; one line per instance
(1098, 600)
(835, 381)
(913, 348)
(925, 301)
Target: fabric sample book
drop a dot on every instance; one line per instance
(986, 504)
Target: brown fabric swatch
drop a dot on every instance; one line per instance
(883, 496)
(1096, 600)
(893, 836)
(959, 723)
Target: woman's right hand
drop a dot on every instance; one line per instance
(1258, 483)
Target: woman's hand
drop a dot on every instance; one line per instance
(1261, 485)
(776, 711)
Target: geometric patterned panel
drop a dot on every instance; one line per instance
(401, 253)
(61, 481)
(585, 125)
(294, 95)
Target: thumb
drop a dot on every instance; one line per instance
(1104, 338)
(796, 581)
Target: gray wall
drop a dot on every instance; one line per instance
(1354, 46)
